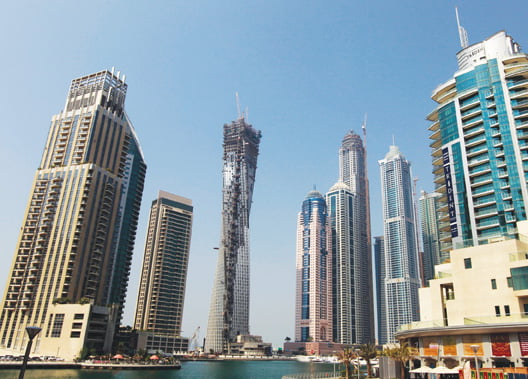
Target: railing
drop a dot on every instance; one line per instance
(313, 375)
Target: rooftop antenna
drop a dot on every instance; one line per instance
(364, 128)
(239, 115)
(461, 32)
(393, 143)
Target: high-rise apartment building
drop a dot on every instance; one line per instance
(402, 278)
(159, 308)
(479, 144)
(229, 312)
(381, 312)
(430, 234)
(348, 208)
(313, 305)
(71, 265)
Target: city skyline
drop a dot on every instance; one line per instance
(304, 86)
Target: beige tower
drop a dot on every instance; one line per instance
(74, 250)
(163, 277)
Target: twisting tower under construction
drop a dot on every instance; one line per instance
(229, 312)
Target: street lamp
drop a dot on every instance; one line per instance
(475, 349)
(32, 332)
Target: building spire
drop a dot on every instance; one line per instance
(461, 32)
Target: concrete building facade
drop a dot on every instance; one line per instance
(77, 237)
(479, 298)
(159, 308)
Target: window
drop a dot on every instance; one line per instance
(493, 284)
(497, 311)
(78, 316)
(467, 263)
(507, 310)
(77, 325)
(57, 325)
(75, 334)
(510, 282)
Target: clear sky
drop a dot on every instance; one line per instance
(307, 70)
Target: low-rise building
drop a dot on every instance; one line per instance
(476, 307)
(250, 345)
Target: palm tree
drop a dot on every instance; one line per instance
(368, 351)
(401, 353)
(346, 357)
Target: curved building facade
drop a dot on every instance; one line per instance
(313, 310)
(479, 136)
(229, 312)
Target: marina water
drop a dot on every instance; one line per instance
(191, 370)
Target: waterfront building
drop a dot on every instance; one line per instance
(430, 234)
(229, 311)
(479, 144)
(477, 299)
(381, 312)
(159, 308)
(71, 265)
(402, 280)
(348, 208)
(313, 266)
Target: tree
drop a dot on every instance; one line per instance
(287, 339)
(346, 357)
(368, 351)
(401, 353)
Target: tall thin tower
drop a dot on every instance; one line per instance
(163, 277)
(313, 311)
(353, 310)
(75, 246)
(402, 278)
(229, 312)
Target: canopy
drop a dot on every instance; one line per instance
(422, 370)
(154, 357)
(118, 356)
(444, 370)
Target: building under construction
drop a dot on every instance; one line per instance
(229, 312)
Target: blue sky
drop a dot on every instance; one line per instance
(307, 70)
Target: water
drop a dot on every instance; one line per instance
(191, 369)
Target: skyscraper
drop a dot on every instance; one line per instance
(161, 294)
(479, 145)
(74, 250)
(313, 310)
(381, 312)
(229, 312)
(348, 207)
(430, 234)
(402, 278)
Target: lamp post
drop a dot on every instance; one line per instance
(475, 349)
(32, 332)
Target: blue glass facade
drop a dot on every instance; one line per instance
(481, 123)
